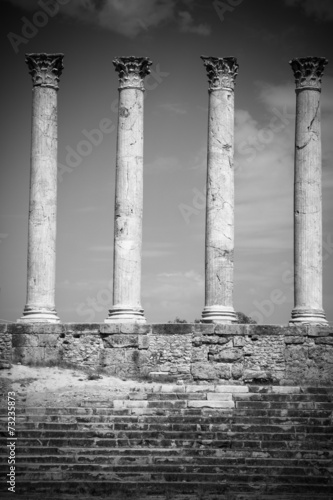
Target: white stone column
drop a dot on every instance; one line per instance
(129, 192)
(219, 247)
(308, 193)
(45, 70)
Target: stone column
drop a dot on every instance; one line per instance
(45, 70)
(219, 248)
(129, 192)
(307, 193)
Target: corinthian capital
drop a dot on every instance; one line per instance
(45, 69)
(308, 72)
(132, 71)
(221, 72)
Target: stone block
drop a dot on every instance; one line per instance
(319, 331)
(231, 388)
(238, 341)
(25, 340)
(135, 328)
(210, 371)
(120, 340)
(200, 354)
(226, 355)
(237, 370)
(210, 404)
(284, 389)
(172, 329)
(219, 396)
(36, 328)
(257, 375)
(3, 328)
(109, 328)
(35, 339)
(143, 341)
(82, 328)
(202, 328)
(120, 404)
(35, 355)
(200, 388)
(235, 329)
(293, 339)
(138, 396)
(324, 340)
(122, 362)
(169, 388)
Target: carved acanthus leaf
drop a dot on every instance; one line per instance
(45, 69)
(308, 71)
(221, 72)
(132, 70)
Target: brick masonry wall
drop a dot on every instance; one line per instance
(237, 354)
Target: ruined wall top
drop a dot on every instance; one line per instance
(45, 69)
(308, 72)
(132, 70)
(221, 72)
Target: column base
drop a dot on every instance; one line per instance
(123, 314)
(218, 314)
(39, 315)
(308, 316)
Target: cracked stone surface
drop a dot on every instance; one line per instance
(220, 203)
(129, 192)
(40, 304)
(308, 192)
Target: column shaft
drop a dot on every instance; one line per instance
(219, 247)
(129, 193)
(307, 195)
(40, 306)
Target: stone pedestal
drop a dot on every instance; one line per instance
(308, 193)
(129, 192)
(219, 248)
(45, 70)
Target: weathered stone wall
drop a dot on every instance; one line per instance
(5, 345)
(204, 353)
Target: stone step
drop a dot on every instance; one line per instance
(226, 443)
(177, 441)
(155, 474)
(90, 435)
(161, 467)
(30, 421)
(85, 460)
(194, 463)
(43, 428)
(55, 488)
(80, 454)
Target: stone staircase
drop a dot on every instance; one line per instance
(182, 442)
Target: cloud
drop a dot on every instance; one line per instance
(321, 9)
(126, 17)
(130, 17)
(175, 107)
(186, 25)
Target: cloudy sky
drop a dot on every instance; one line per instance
(263, 35)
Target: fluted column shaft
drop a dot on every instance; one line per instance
(129, 192)
(45, 70)
(219, 241)
(308, 193)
